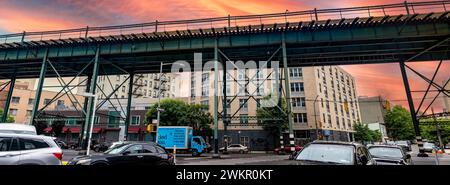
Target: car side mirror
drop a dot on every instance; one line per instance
(408, 156)
(126, 153)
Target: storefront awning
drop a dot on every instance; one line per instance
(134, 130)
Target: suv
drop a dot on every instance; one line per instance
(334, 153)
(26, 149)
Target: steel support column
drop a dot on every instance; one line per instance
(412, 110)
(130, 96)
(288, 92)
(8, 100)
(37, 97)
(225, 104)
(85, 106)
(90, 105)
(216, 99)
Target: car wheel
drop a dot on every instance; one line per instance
(194, 153)
(163, 163)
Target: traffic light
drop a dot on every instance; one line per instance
(388, 105)
(151, 128)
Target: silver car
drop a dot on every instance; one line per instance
(235, 148)
(25, 149)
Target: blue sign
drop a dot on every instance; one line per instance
(170, 137)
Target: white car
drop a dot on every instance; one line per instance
(16, 128)
(27, 149)
(235, 148)
(428, 147)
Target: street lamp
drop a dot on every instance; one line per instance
(315, 118)
(90, 95)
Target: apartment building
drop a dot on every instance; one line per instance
(145, 86)
(446, 99)
(323, 99)
(22, 101)
(373, 111)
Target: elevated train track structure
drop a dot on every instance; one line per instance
(393, 33)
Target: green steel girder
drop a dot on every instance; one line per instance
(341, 45)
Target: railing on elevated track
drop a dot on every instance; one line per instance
(405, 8)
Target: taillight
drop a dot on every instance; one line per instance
(58, 155)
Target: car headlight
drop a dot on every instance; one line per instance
(84, 162)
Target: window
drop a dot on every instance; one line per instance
(259, 74)
(300, 118)
(5, 144)
(295, 72)
(29, 112)
(243, 103)
(205, 84)
(329, 121)
(60, 103)
(227, 139)
(15, 100)
(297, 87)
(118, 78)
(96, 121)
(123, 88)
(13, 112)
(244, 141)
(243, 119)
(135, 120)
(47, 101)
(71, 121)
(149, 149)
(30, 101)
(299, 102)
(205, 104)
(31, 144)
(135, 149)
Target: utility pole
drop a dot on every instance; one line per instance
(438, 129)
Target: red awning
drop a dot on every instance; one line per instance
(65, 129)
(75, 129)
(134, 130)
(97, 130)
(48, 129)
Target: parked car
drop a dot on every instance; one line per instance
(405, 144)
(61, 144)
(16, 128)
(287, 149)
(334, 153)
(27, 149)
(128, 154)
(390, 155)
(101, 147)
(428, 147)
(235, 148)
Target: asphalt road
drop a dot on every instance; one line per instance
(265, 159)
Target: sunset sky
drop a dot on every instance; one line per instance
(38, 15)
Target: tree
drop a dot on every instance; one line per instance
(9, 119)
(429, 131)
(399, 124)
(180, 113)
(363, 134)
(266, 115)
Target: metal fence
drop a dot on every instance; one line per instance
(405, 8)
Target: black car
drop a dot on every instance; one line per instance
(334, 153)
(128, 154)
(390, 155)
(101, 147)
(62, 144)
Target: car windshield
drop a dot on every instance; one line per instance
(116, 149)
(428, 145)
(327, 153)
(386, 152)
